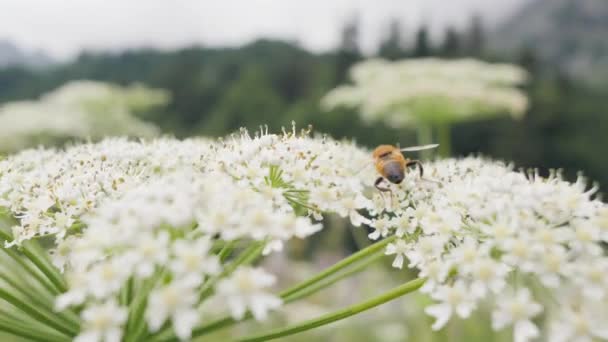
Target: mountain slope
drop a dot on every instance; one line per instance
(11, 55)
(572, 34)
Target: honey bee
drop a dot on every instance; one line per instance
(391, 164)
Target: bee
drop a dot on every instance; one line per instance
(391, 164)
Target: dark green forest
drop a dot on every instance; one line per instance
(217, 90)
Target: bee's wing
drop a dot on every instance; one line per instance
(419, 148)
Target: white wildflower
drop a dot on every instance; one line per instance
(517, 311)
(175, 302)
(455, 299)
(192, 260)
(399, 249)
(102, 323)
(247, 289)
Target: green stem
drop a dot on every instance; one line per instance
(340, 265)
(425, 137)
(38, 256)
(247, 257)
(37, 314)
(226, 250)
(28, 330)
(5, 236)
(333, 279)
(299, 291)
(39, 299)
(32, 250)
(445, 140)
(136, 322)
(41, 279)
(339, 314)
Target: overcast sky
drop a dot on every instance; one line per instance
(62, 28)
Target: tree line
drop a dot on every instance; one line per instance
(217, 90)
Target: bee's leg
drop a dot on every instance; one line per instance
(377, 185)
(383, 189)
(417, 163)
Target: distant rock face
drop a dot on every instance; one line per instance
(572, 34)
(11, 55)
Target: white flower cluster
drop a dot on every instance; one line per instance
(150, 230)
(430, 90)
(129, 212)
(79, 109)
(50, 190)
(135, 215)
(477, 231)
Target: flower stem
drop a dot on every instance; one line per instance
(333, 279)
(339, 314)
(41, 279)
(339, 266)
(34, 252)
(29, 330)
(247, 257)
(136, 322)
(444, 140)
(37, 314)
(425, 136)
(39, 299)
(224, 253)
(306, 288)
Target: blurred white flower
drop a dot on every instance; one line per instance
(399, 249)
(580, 324)
(518, 311)
(175, 302)
(488, 275)
(78, 109)
(431, 90)
(452, 299)
(102, 323)
(247, 289)
(192, 260)
(381, 227)
(150, 251)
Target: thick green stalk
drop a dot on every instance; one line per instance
(40, 278)
(136, 322)
(38, 256)
(40, 300)
(299, 291)
(4, 236)
(37, 314)
(224, 253)
(28, 330)
(425, 137)
(339, 314)
(444, 140)
(340, 265)
(333, 279)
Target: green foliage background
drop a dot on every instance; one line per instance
(217, 90)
